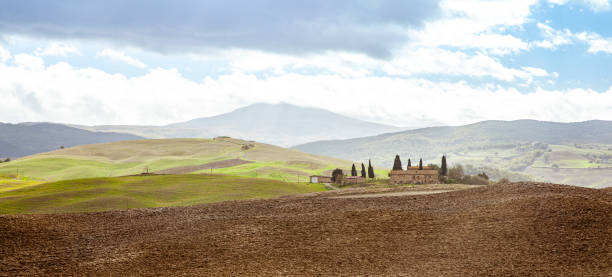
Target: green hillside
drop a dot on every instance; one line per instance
(137, 156)
(116, 193)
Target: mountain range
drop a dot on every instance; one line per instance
(18, 140)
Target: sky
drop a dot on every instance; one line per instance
(411, 63)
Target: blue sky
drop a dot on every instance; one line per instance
(409, 63)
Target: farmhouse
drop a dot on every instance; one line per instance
(320, 179)
(414, 175)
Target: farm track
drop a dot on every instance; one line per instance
(211, 165)
(518, 229)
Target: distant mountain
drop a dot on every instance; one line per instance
(518, 146)
(279, 124)
(18, 140)
(285, 124)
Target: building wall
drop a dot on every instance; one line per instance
(320, 179)
(413, 177)
(358, 180)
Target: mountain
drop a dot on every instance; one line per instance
(537, 148)
(279, 124)
(18, 140)
(285, 124)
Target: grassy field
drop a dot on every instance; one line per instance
(8, 183)
(117, 193)
(134, 157)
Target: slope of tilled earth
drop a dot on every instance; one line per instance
(517, 229)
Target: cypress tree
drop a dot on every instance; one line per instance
(353, 171)
(370, 170)
(397, 164)
(443, 168)
(409, 164)
(363, 171)
(421, 164)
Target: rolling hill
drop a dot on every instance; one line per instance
(278, 124)
(536, 148)
(18, 140)
(220, 155)
(118, 193)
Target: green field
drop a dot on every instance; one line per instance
(134, 157)
(117, 193)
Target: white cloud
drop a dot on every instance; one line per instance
(555, 38)
(29, 62)
(479, 25)
(599, 5)
(121, 57)
(595, 5)
(57, 49)
(5, 54)
(596, 42)
(439, 61)
(62, 93)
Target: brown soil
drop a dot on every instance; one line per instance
(521, 229)
(213, 165)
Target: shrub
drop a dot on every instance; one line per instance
(456, 172)
(475, 180)
(503, 181)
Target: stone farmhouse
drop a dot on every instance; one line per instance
(414, 175)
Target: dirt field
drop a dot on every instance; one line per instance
(518, 229)
(213, 165)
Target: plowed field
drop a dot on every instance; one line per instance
(521, 229)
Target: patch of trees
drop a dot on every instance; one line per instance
(337, 175)
(5, 160)
(457, 175)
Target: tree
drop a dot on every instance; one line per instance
(421, 164)
(7, 160)
(370, 170)
(337, 174)
(484, 176)
(353, 171)
(409, 164)
(397, 164)
(443, 168)
(456, 173)
(363, 171)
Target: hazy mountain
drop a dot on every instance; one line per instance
(17, 140)
(518, 146)
(279, 124)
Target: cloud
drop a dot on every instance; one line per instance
(5, 55)
(373, 27)
(121, 57)
(91, 96)
(479, 25)
(594, 5)
(440, 61)
(57, 49)
(553, 38)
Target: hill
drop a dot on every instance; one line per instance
(520, 146)
(222, 155)
(520, 229)
(18, 140)
(278, 124)
(117, 193)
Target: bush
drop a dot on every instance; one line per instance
(475, 180)
(456, 172)
(503, 181)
